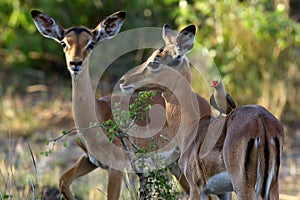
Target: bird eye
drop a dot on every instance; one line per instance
(154, 65)
(91, 46)
(63, 44)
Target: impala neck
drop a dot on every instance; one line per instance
(182, 111)
(83, 98)
(185, 70)
(83, 106)
(84, 112)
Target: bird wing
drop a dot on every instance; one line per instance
(213, 102)
(230, 101)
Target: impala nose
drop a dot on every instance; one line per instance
(76, 66)
(79, 63)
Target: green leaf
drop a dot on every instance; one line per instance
(7, 196)
(65, 144)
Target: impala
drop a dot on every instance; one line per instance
(181, 107)
(246, 157)
(78, 43)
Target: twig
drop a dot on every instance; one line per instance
(77, 130)
(103, 193)
(33, 160)
(132, 143)
(124, 133)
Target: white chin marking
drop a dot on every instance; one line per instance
(75, 73)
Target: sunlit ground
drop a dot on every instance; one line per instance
(21, 179)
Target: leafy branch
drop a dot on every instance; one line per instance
(156, 184)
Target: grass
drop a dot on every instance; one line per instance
(28, 114)
(29, 176)
(14, 183)
(20, 179)
(17, 117)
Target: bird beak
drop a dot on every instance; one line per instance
(214, 83)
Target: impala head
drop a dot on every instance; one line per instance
(78, 42)
(171, 55)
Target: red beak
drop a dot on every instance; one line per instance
(214, 83)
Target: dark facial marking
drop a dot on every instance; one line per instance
(78, 30)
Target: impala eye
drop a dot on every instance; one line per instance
(178, 57)
(91, 46)
(154, 65)
(63, 44)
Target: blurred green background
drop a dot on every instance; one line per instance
(254, 44)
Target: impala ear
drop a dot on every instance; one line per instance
(47, 26)
(185, 40)
(168, 34)
(109, 27)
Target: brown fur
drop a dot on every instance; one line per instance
(195, 124)
(235, 147)
(243, 124)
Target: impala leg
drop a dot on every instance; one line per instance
(175, 170)
(82, 167)
(274, 191)
(194, 193)
(115, 178)
(243, 189)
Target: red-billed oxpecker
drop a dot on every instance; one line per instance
(220, 99)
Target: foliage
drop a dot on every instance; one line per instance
(159, 182)
(255, 48)
(254, 45)
(21, 46)
(124, 119)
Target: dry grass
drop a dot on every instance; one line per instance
(18, 179)
(21, 116)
